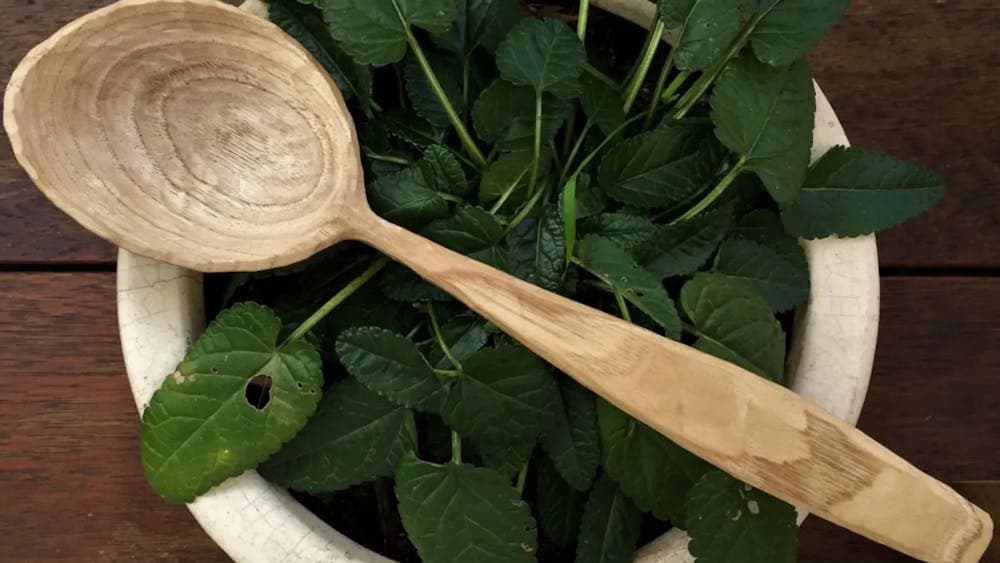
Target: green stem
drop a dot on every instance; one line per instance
(448, 372)
(576, 149)
(591, 70)
(523, 213)
(439, 336)
(389, 158)
(456, 121)
(508, 192)
(465, 87)
(671, 91)
(661, 83)
(581, 20)
(522, 478)
(655, 36)
(623, 306)
(538, 143)
(611, 136)
(698, 89)
(339, 298)
(570, 131)
(456, 447)
(713, 195)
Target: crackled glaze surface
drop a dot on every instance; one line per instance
(161, 311)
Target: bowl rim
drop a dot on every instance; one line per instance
(161, 312)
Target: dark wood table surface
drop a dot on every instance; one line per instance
(916, 78)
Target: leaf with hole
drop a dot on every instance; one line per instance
(306, 25)
(505, 114)
(705, 29)
(851, 192)
(609, 530)
(232, 401)
(661, 168)
(653, 471)
(392, 366)
(735, 324)
(573, 443)
(481, 514)
(730, 522)
(376, 31)
(765, 114)
(355, 436)
(613, 266)
(504, 394)
(543, 54)
(788, 28)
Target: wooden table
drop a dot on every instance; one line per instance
(916, 78)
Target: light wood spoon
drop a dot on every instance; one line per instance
(191, 132)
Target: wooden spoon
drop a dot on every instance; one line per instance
(191, 132)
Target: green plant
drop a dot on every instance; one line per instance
(493, 133)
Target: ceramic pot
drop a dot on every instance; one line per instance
(161, 311)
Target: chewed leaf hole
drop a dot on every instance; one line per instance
(258, 391)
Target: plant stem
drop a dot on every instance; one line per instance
(456, 447)
(522, 478)
(655, 36)
(576, 149)
(623, 306)
(508, 192)
(525, 210)
(570, 132)
(389, 158)
(713, 195)
(448, 372)
(465, 88)
(698, 89)
(456, 121)
(581, 20)
(538, 143)
(569, 220)
(611, 136)
(661, 83)
(591, 70)
(439, 336)
(341, 296)
(671, 91)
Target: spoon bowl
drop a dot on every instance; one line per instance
(190, 132)
(193, 133)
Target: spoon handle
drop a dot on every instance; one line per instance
(760, 432)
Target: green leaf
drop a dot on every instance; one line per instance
(626, 231)
(661, 168)
(479, 22)
(573, 442)
(400, 283)
(653, 471)
(602, 104)
(443, 171)
(468, 230)
(590, 197)
(617, 269)
(505, 114)
(560, 506)
(765, 114)
(504, 394)
(851, 192)
(788, 28)
(706, 28)
(411, 128)
(760, 225)
(390, 365)
(683, 248)
(730, 522)
(735, 324)
(776, 270)
(457, 512)
(510, 172)
(609, 530)
(537, 249)
(506, 459)
(464, 334)
(544, 54)
(204, 424)
(375, 31)
(306, 25)
(448, 70)
(355, 436)
(406, 198)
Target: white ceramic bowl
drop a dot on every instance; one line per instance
(161, 311)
